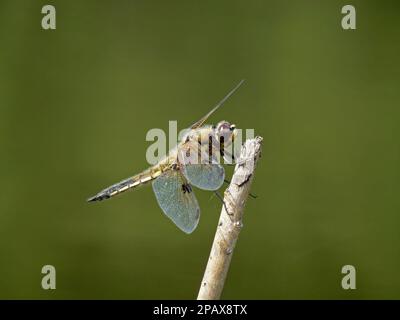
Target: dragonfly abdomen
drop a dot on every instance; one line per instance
(127, 184)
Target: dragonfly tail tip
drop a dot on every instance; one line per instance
(92, 199)
(98, 197)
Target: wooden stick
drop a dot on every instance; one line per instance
(230, 222)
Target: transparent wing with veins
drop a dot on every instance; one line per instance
(177, 200)
(200, 122)
(200, 165)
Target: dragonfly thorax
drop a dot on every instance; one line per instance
(225, 131)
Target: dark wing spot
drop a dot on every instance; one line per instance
(186, 188)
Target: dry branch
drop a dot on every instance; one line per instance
(230, 222)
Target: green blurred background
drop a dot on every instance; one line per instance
(76, 104)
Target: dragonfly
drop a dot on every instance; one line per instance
(195, 161)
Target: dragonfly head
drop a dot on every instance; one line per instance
(226, 131)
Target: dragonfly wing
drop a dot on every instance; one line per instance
(200, 122)
(177, 200)
(205, 176)
(200, 168)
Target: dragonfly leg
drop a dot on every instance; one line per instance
(250, 194)
(230, 164)
(223, 202)
(229, 159)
